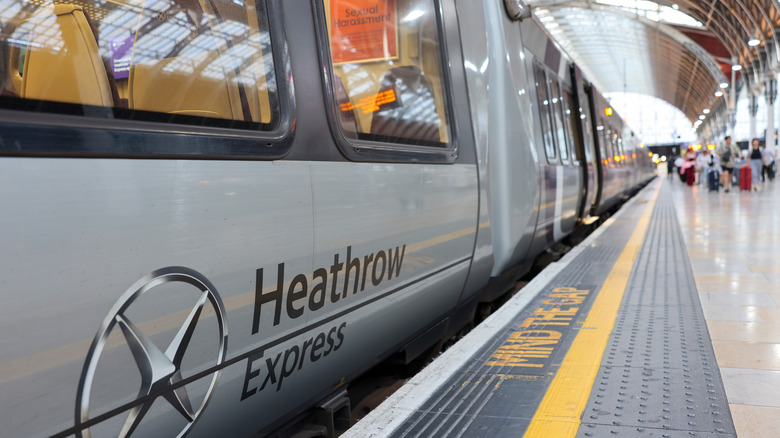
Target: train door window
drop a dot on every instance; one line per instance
(615, 150)
(609, 146)
(585, 115)
(572, 116)
(557, 111)
(387, 78)
(205, 62)
(545, 112)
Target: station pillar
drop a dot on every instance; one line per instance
(771, 95)
(753, 112)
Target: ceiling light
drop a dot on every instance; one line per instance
(754, 42)
(724, 85)
(675, 7)
(706, 111)
(718, 93)
(736, 67)
(702, 117)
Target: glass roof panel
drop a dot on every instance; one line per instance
(655, 121)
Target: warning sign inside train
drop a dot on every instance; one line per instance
(363, 30)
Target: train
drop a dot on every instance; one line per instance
(218, 214)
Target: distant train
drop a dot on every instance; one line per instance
(216, 214)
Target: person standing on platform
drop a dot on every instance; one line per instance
(727, 154)
(703, 163)
(769, 165)
(756, 164)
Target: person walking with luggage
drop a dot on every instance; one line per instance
(756, 164)
(728, 154)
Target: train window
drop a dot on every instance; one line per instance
(205, 62)
(557, 112)
(545, 111)
(572, 115)
(603, 141)
(388, 83)
(587, 123)
(609, 156)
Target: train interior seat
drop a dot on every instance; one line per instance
(349, 120)
(180, 85)
(207, 83)
(62, 65)
(410, 111)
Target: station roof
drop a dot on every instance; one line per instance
(680, 51)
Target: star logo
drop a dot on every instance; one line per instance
(161, 374)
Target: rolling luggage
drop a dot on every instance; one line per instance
(690, 175)
(713, 182)
(745, 178)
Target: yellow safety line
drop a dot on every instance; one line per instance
(561, 408)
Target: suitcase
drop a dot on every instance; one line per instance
(713, 182)
(745, 178)
(690, 175)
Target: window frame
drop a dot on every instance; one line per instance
(559, 109)
(362, 150)
(67, 134)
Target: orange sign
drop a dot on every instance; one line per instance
(363, 30)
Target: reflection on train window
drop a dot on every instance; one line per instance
(604, 144)
(587, 123)
(388, 81)
(557, 105)
(572, 115)
(205, 62)
(545, 111)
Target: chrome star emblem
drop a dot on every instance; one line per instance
(160, 370)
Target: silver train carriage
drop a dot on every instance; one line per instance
(217, 213)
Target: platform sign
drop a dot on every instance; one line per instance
(363, 30)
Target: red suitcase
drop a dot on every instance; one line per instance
(690, 176)
(745, 178)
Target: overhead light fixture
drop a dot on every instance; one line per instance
(724, 85)
(736, 67)
(706, 111)
(675, 7)
(754, 42)
(702, 117)
(718, 93)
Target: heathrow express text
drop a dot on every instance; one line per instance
(301, 292)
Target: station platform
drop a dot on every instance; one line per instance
(663, 323)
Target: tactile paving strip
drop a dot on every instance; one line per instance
(658, 377)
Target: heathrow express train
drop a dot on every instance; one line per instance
(216, 214)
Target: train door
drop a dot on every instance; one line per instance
(598, 147)
(580, 117)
